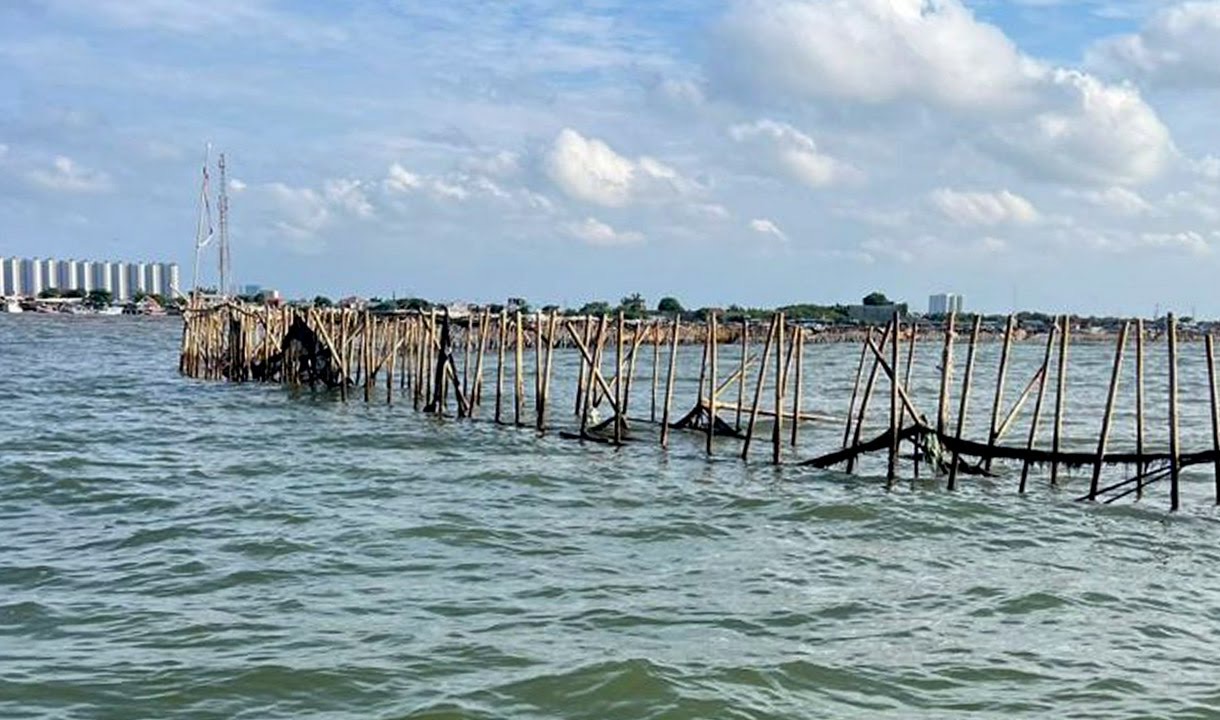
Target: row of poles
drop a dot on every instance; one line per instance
(350, 350)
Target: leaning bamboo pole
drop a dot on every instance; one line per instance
(1044, 374)
(669, 381)
(777, 430)
(892, 465)
(965, 399)
(1215, 411)
(758, 389)
(1111, 397)
(1001, 375)
(711, 381)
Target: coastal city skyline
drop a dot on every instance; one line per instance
(728, 152)
(30, 277)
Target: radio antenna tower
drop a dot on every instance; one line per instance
(222, 209)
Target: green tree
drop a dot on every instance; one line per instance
(633, 306)
(597, 307)
(876, 298)
(98, 299)
(322, 301)
(669, 306)
(50, 293)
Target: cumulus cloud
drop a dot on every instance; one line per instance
(1089, 131)
(779, 146)
(873, 51)
(1052, 123)
(595, 232)
(764, 226)
(1177, 46)
(589, 170)
(1117, 200)
(983, 208)
(66, 175)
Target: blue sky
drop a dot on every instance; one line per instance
(1061, 154)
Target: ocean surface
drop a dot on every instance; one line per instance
(172, 548)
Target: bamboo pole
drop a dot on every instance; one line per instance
(1175, 461)
(799, 388)
(518, 371)
(1215, 406)
(892, 466)
(669, 381)
(393, 352)
(1104, 435)
(594, 368)
(1141, 467)
(777, 430)
(741, 376)
(538, 369)
(946, 373)
(1060, 396)
(654, 330)
(618, 378)
(758, 389)
(965, 399)
(1044, 373)
(546, 377)
(868, 395)
(855, 389)
(992, 435)
(502, 327)
(906, 382)
(711, 381)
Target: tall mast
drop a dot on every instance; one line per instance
(222, 203)
(203, 227)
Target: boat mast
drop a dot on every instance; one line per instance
(203, 226)
(222, 208)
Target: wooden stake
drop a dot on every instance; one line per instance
(655, 330)
(965, 400)
(669, 381)
(1141, 466)
(868, 395)
(1060, 396)
(999, 391)
(1175, 462)
(1104, 435)
(518, 371)
(1044, 373)
(503, 332)
(799, 388)
(758, 388)
(741, 376)
(1211, 386)
(946, 374)
(895, 414)
(711, 381)
(777, 431)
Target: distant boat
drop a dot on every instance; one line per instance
(11, 305)
(111, 310)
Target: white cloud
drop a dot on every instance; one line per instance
(595, 232)
(1188, 241)
(768, 227)
(873, 51)
(236, 185)
(1117, 200)
(780, 146)
(589, 170)
(1088, 131)
(402, 180)
(1177, 46)
(348, 195)
(1052, 123)
(65, 175)
(983, 208)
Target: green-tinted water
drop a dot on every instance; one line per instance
(180, 549)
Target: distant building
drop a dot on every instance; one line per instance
(118, 282)
(945, 303)
(170, 285)
(135, 279)
(67, 275)
(51, 274)
(152, 278)
(31, 276)
(101, 277)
